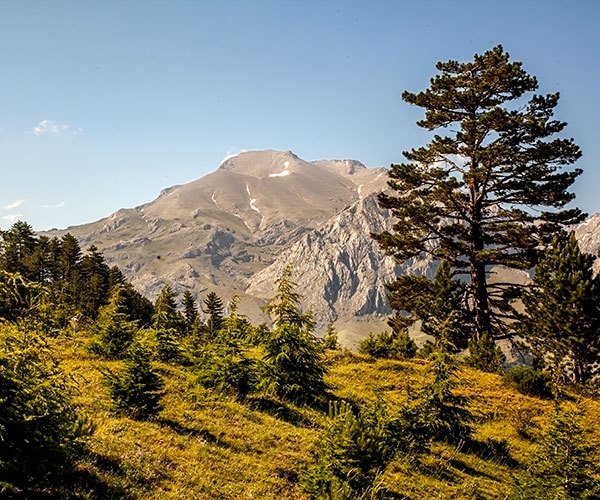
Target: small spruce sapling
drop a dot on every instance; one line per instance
(137, 389)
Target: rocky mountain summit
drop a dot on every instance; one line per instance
(233, 231)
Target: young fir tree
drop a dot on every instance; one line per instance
(433, 302)
(352, 452)
(167, 323)
(214, 310)
(17, 246)
(330, 339)
(561, 466)
(113, 331)
(490, 189)
(562, 311)
(294, 358)
(190, 313)
(439, 413)
(138, 307)
(137, 389)
(225, 364)
(41, 432)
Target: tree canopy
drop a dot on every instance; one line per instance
(491, 189)
(562, 311)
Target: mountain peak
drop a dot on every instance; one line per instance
(261, 163)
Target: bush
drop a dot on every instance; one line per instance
(530, 381)
(485, 355)
(562, 465)
(352, 452)
(388, 346)
(226, 368)
(41, 432)
(137, 389)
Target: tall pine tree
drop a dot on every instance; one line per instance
(491, 188)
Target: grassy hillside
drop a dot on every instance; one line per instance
(206, 446)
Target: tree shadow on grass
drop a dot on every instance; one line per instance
(76, 484)
(495, 450)
(279, 410)
(185, 430)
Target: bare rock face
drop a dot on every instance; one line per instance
(588, 234)
(588, 237)
(340, 268)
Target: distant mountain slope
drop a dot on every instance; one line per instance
(234, 229)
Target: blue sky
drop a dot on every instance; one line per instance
(105, 103)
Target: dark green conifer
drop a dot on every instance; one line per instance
(41, 432)
(561, 467)
(113, 331)
(294, 358)
(214, 310)
(434, 303)
(562, 311)
(439, 412)
(137, 389)
(167, 323)
(490, 189)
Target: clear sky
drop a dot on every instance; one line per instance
(105, 103)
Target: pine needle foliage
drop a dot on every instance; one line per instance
(560, 467)
(561, 324)
(351, 453)
(225, 363)
(491, 188)
(438, 412)
(293, 363)
(168, 324)
(432, 302)
(41, 431)
(387, 345)
(215, 313)
(113, 331)
(136, 390)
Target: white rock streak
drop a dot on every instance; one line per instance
(253, 206)
(252, 200)
(214, 199)
(360, 196)
(240, 217)
(284, 172)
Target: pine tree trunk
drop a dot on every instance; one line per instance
(481, 306)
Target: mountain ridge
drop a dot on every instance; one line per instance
(221, 231)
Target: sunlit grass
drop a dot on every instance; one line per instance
(207, 446)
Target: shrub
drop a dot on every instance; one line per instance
(561, 465)
(388, 346)
(137, 389)
(530, 381)
(485, 355)
(352, 452)
(41, 432)
(226, 367)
